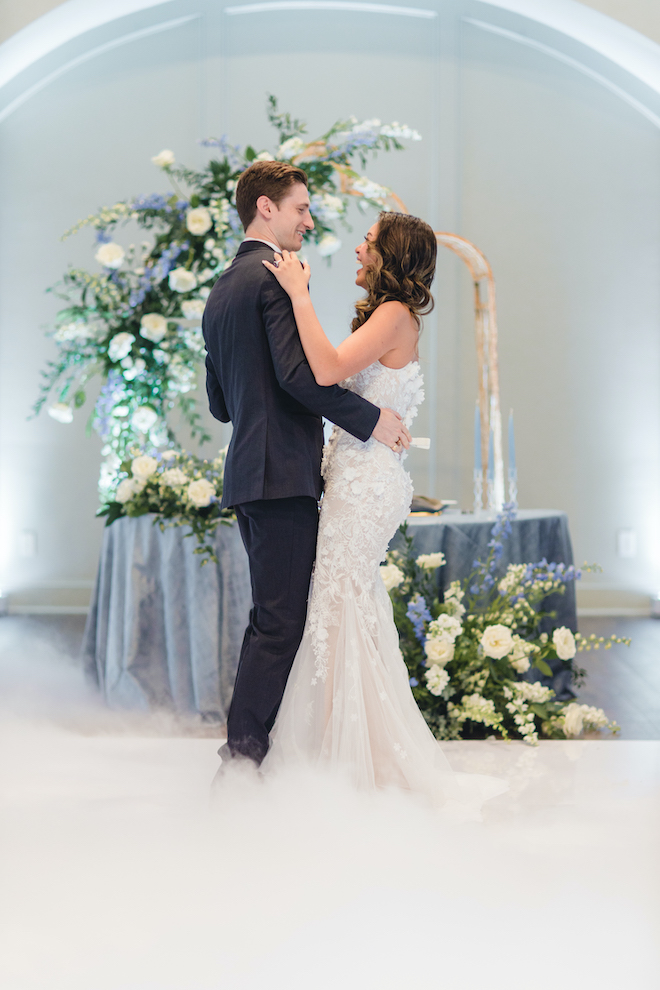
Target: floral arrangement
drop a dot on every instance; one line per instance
(180, 489)
(137, 321)
(472, 657)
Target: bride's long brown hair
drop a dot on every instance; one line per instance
(404, 251)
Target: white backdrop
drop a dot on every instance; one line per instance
(536, 148)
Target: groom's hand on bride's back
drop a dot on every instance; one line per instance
(389, 429)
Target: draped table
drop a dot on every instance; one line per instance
(165, 632)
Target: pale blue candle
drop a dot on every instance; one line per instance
(491, 456)
(477, 439)
(512, 445)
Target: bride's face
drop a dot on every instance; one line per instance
(364, 258)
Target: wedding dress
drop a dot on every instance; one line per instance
(348, 703)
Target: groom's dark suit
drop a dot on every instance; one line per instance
(257, 377)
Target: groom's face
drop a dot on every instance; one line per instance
(292, 219)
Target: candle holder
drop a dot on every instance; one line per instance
(493, 505)
(513, 488)
(478, 490)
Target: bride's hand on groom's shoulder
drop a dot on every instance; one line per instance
(292, 274)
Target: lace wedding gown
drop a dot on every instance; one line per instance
(348, 703)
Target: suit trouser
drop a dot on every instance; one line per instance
(280, 538)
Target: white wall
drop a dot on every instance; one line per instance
(548, 169)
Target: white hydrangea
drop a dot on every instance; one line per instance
(127, 488)
(366, 125)
(436, 679)
(174, 477)
(132, 368)
(519, 656)
(397, 130)
(168, 455)
(370, 190)
(75, 330)
(200, 492)
(534, 691)
(264, 156)
(392, 576)
(511, 580)
(120, 345)
(497, 641)
(289, 149)
(61, 411)
(439, 651)
(164, 158)
(143, 467)
(181, 280)
(445, 627)
(564, 643)
(326, 206)
(430, 561)
(453, 600)
(199, 221)
(110, 255)
(143, 419)
(153, 327)
(329, 244)
(192, 309)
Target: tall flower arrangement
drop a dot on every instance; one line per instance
(136, 321)
(472, 657)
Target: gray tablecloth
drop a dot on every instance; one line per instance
(164, 632)
(463, 538)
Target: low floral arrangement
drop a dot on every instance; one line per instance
(179, 488)
(472, 656)
(137, 322)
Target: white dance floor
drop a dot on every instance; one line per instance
(115, 875)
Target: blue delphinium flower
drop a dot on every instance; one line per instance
(414, 682)
(418, 614)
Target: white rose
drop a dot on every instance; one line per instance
(200, 492)
(164, 159)
(120, 345)
(110, 255)
(429, 561)
(437, 679)
(143, 419)
(153, 327)
(290, 148)
(143, 467)
(192, 309)
(439, 651)
(564, 643)
(198, 221)
(445, 627)
(181, 280)
(174, 476)
(328, 245)
(573, 720)
(497, 641)
(127, 488)
(392, 576)
(61, 411)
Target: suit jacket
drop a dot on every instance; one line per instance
(257, 376)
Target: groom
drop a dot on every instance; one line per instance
(257, 377)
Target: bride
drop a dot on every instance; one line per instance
(348, 703)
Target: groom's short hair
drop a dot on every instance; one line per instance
(272, 179)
